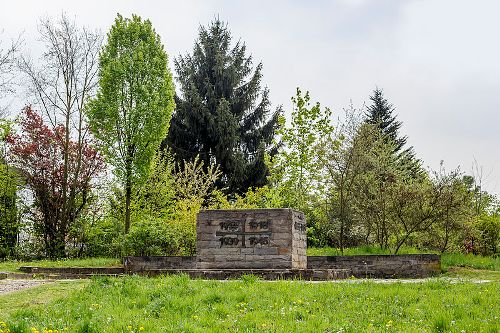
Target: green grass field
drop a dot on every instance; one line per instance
(13, 265)
(179, 304)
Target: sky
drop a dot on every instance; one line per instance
(438, 61)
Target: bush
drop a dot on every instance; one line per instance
(488, 231)
(150, 237)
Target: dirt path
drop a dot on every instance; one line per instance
(7, 286)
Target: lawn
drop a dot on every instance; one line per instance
(13, 265)
(179, 304)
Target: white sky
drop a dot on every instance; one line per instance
(438, 61)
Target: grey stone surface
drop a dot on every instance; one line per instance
(381, 266)
(266, 274)
(251, 238)
(140, 264)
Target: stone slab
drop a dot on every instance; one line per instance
(381, 266)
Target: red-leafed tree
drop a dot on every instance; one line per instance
(49, 164)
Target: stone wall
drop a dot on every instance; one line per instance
(381, 266)
(251, 239)
(142, 264)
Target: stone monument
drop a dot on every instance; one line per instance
(251, 239)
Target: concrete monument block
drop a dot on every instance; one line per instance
(251, 238)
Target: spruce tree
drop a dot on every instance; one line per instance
(380, 113)
(222, 114)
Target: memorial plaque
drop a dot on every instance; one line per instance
(255, 238)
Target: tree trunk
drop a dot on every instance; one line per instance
(128, 194)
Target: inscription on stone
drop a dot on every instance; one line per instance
(300, 226)
(251, 238)
(231, 232)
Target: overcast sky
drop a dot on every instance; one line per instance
(438, 61)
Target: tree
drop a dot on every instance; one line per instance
(61, 83)
(7, 69)
(296, 172)
(455, 210)
(131, 113)
(380, 113)
(222, 112)
(37, 154)
(9, 183)
(378, 174)
(343, 160)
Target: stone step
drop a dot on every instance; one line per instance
(73, 270)
(266, 274)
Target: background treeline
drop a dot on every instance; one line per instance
(108, 158)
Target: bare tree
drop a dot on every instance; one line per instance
(64, 79)
(7, 70)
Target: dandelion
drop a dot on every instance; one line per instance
(141, 328)
(389, 323)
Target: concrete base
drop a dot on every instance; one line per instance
(265, 274)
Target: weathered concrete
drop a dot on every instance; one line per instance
(251, 238)
(381, 266)
(141, 264)
(265, 274)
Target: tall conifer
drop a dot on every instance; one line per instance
(380, 113)
(222, 114)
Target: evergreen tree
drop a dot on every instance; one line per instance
(222, 114)
(380, 113)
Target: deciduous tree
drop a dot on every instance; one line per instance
(37, 154)
(60, 84)
(131, 113)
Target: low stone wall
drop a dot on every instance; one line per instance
(265, 274)
(141, 264)
(381, 266)
(72, 270)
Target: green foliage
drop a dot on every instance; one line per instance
(487, 229)
(222, 115)
(296, 173)
(134, 103)
(9, 183)
(149, 237)
(380, 114)
(178, 304)
(9, 224)
(297, 167)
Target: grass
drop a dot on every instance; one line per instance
(470, 260)
(179, 304)
(38, 296)
(13, 266)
